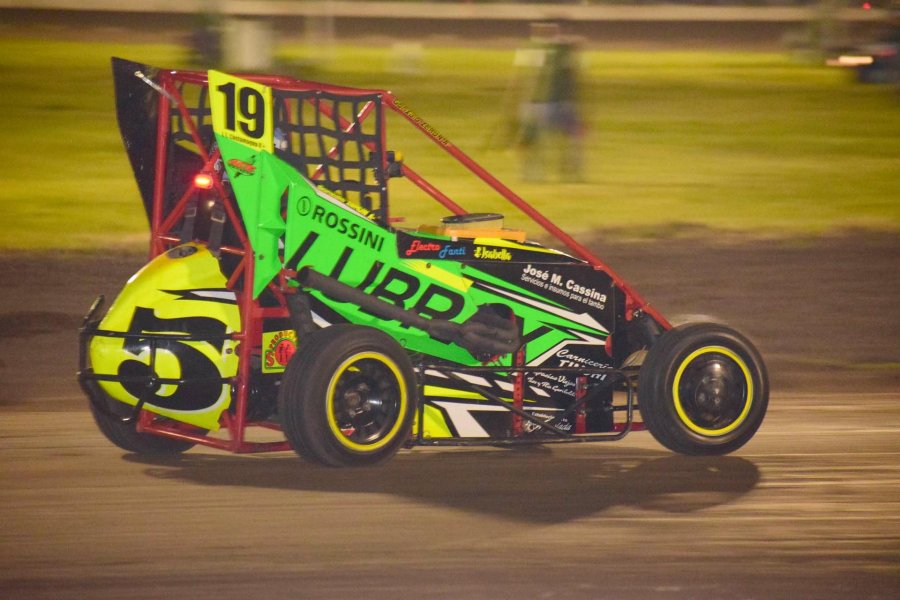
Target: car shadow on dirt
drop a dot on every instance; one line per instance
(494, 482)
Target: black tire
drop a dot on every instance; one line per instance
(703, 389)
(347, 397)
(125, 436)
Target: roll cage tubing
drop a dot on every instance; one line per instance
(252, 313)
(634, 301)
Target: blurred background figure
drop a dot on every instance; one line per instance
(550, 128)
(876, 57)
(205, 42)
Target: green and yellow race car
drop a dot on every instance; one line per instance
(284, 308)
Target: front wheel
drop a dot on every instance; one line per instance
(347, 397)
(108, 417)
(703, 389)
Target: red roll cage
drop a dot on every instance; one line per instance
(173, 113)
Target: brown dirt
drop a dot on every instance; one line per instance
(823, 312)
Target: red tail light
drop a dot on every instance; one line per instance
(204, 181)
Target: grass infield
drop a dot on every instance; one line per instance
(706, 143)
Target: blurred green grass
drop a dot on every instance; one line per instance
(710, 142)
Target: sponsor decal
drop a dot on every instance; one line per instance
(329, 195)
(418, 246)
(530, 427)
(421, 123)
(433, 249)
(564, 383)
(450, 251)
(400, 288)
(278, 348)
(583, 318)
(485, 253)
(390, 284)
(567, 288)
(304, 205)
(554, 383)
(465, 250)
(568, 359)
(243, 168)
(343, 224)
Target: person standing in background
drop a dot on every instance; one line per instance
(550, 126)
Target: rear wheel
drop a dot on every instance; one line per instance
(703, 389)
(347, 397)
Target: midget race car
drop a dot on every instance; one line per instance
(284, 308)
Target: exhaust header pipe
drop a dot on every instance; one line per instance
(484, 333)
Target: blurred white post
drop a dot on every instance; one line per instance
(319, 33)
(248, 43)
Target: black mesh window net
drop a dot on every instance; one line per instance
(336, 141)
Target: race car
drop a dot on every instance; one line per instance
(283, 300)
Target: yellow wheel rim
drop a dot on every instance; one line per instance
(746, 401)
(353, 367)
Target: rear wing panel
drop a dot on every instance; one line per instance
(136, 111)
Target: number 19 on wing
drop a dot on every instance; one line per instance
(241, 110)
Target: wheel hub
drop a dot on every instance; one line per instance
(712, 392)
(365, 409)
(355, 398)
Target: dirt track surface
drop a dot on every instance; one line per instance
(809, 509)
